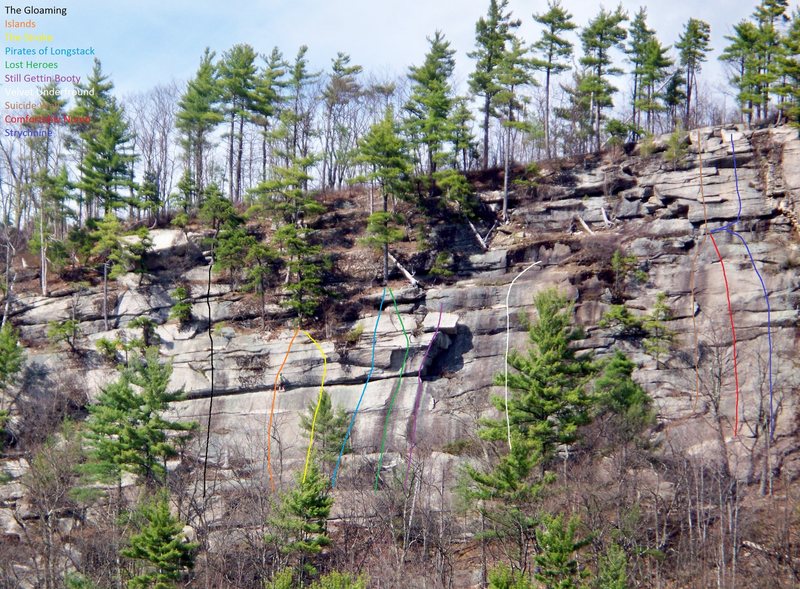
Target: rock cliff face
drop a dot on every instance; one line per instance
(645, 205)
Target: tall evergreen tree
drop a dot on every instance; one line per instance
(91, 103)
(297, 117)
(767, 16)
(299, 526)
(268, 100)
(693, 45)
(654, 71)
(464, 148)
(125, 430)
(639, 38)
(577, 112)
(553, 50)
(742, 55)
(491, 35)
(789, 68)
(603, 33)
(329, 430)
(384, 152)
(198, 115)
(339, 139)
(107, 164)
(237, 81)
(430, 106)
(557, 565)
(159, 545)
(513, 74)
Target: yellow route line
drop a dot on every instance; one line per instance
(319, 401)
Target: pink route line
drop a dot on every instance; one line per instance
(418, 398)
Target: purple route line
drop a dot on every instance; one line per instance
(418, 398)
(730, 231)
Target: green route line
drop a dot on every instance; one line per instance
(394, 393)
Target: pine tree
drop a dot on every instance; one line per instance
(639, 36)
(788, 65)
(464, 147)
(491, 36)
(305, 261)
(54, 194)
(617, 395)
(159, 545)
(297, 117)
(692, 46)
(554, 49)
(549, 385)
(299, 526)
(603, 33)
(267, 101)
(612, 570)
(577, 112)
(513, 74)
(384, 151)
(12, 359)
(329, 429)
(659, 336)
(742, 55)
(550, 399)
(655, 69)
(430, 106)
(197, 117)
(91, 102)
(237, 82)
(767, 15)
(107, 164)
(125, 430)
(338, 137)
(557, 566)
(259, 262)
(114, 253)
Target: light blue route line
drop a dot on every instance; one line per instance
(361, 398)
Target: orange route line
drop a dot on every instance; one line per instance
(272, 409)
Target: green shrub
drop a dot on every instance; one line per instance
(107, 349)
(442, 265)
(64, 331)
(647, 146)
(676, 147)
(352, 336)
(182, 309)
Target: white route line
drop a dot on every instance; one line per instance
(508, 338)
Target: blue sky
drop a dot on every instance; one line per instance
(146, 42)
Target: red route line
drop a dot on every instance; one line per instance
(733, 332)
(272, 409)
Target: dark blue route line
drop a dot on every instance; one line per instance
(739, 196)
(728, 229)
(361, 398)
(769, 331)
